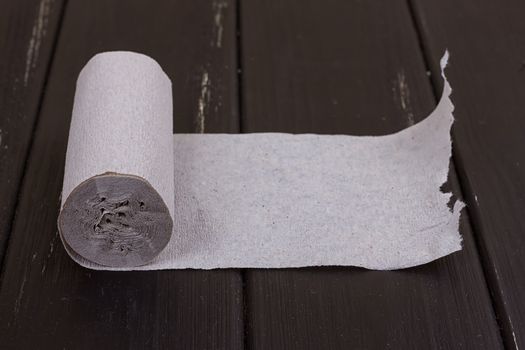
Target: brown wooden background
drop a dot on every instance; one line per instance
(339, 66)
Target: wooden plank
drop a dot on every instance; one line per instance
(351, 67)
(47, 300)
(487, 72)
(27, 34)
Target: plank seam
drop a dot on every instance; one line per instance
(464, 188)
(240, 105)
(239, 71)
(54, 44)
(245, 308)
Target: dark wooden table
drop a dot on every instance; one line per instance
(339, 66)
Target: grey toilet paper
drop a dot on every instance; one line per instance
(136, 197)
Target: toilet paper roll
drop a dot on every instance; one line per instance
(137, 197)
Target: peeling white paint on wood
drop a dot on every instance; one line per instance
(50, 252)
(37, 35)
(401, 89)
(204, 100)
(218, 7)
(18, 300)
(512, 328)
(515, 341)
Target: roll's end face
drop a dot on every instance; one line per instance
(115, 220)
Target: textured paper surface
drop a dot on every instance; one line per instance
(267, 200)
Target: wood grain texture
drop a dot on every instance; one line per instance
(27, 34)
(351, 67)
(47, 300)
(487, 73)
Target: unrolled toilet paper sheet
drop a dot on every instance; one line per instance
(267, 200)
